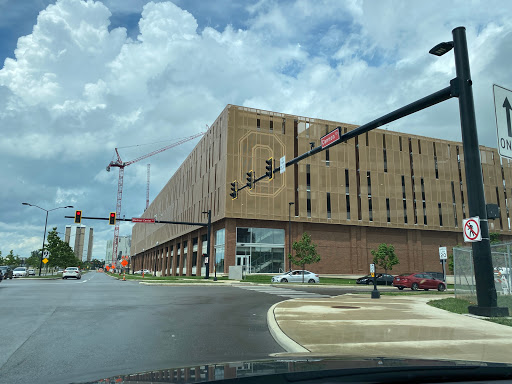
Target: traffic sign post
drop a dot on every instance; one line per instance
(375, 292)
(502, 107)
(443, 256)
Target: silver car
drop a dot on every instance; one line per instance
(72, 272)
(20, 272)
(296, 277)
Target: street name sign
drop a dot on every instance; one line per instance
(443, 253)
(502, 109)
(142, 220)
(282, 164)
(471, 229)
(331, 138)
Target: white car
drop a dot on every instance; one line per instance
(296, 277)
(20, 272)
(31, 272)
(72, 272)
(139, 272)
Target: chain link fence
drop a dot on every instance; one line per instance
(464, 275)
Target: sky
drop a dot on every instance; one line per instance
(80, 78)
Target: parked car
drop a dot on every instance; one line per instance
(31, 272)
(6, 272)
(382, 279)
(296, 277)
(436, 275)
(139, 272)
(417, 281)
(20, 272)
(72, 272)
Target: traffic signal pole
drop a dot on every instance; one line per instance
(460, 87)
(482, 259)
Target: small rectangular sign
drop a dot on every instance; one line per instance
(142, 220)
(372, 268)
(443, 253)
(331, 138)
(282, 164)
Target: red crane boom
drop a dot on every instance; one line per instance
(120, 164)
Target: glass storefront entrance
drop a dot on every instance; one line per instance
(261, 250)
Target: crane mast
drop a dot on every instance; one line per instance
(121, 165)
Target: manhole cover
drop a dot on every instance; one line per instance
(344, 307)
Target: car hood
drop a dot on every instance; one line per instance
(313, 370)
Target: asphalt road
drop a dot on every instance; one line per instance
(63, 331)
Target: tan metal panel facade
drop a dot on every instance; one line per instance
(402, 189)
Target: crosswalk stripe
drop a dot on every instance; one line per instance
(283, 292)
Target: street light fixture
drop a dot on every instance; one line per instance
(45, 224)
(290, 234)
(441, 48)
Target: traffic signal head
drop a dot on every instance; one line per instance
(268, 168)
(250, 181)
(78, 217)
(112, 218)
(234, 192)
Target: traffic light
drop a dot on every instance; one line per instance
(268, 167)
(78, 217)
(234, 193)
(112, 218)
(250, 182)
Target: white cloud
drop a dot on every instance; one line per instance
(77, 89)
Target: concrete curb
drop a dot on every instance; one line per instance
(288, 344)
(186, 284)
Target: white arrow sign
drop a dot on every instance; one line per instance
(502, 108)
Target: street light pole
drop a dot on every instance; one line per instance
(482, 259)
(45, 224)
(42, 251)
(289, 235)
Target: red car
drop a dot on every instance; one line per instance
(417, 281)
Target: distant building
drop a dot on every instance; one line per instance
(123, 248)
(80, 240)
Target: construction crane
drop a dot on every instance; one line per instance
(147, 190)
(121, 165)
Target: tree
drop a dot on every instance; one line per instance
(305, 252)
(385, 257)
(494, 237)
(61, 254)
(97, 263)
(35, 259)
(12, 260)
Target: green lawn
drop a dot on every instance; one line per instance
(165, 278)
(266, 279)
(458, 305)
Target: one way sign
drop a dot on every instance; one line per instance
(502, 108)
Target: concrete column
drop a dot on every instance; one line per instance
(199, 253)
(190, 254)
(175, 257)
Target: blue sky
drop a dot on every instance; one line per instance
(79, 78)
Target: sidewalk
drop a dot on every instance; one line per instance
(392, 326)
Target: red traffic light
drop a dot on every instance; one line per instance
(112, 218)
(78, 217)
